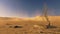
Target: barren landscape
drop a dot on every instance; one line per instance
(35, 25)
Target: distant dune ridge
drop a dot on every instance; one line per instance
(37, 18)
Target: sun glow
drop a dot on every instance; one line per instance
(37, 18)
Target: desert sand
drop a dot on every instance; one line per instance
(36, 25)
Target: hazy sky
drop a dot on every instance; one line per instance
(28, 8)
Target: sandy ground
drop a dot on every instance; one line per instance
(28, 27)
